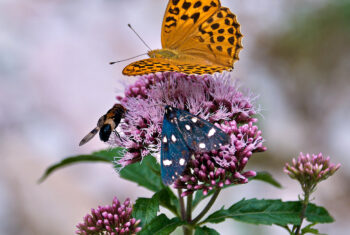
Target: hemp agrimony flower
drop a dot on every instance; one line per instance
(110, 220)
(310, 170)
(213, 98)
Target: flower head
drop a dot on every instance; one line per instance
(110, 220)
(310, 170)
(213, 98)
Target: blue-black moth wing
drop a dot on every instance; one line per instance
(199, 134)
(174, 154)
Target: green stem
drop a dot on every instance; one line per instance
(186, 229)
(182, 205)
(189, 208)
(207, 207)
(303, 210)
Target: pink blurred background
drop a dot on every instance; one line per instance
(55, 82)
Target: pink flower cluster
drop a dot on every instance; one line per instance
(224, 166)
(110, 220)
(310, 170)
(213, 98)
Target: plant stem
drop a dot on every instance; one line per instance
(303, 210)
(186, 229)
(182, 205)
(189, 208)
(207, 207)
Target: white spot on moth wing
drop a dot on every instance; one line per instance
(182, 161)
(165, 140)
(176, 173)
(202, 145)
(173, 138)
(187, 127)
(167, 162)
(211, 132)
(194, 119)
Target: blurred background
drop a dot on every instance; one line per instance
(55, 82)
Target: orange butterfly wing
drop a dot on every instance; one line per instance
(204, 36)
(151, 65)
(217, 41)
(182, 19)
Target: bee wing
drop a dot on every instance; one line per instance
(89, 136)
(100, 122)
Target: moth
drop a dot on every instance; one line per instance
(106, 124)
(183, 135)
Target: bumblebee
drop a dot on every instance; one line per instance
(106, 124)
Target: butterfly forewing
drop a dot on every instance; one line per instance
(218, 39)
(200, 135)
(174, 152)
(182, 18)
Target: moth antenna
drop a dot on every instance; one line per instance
(129, 25)
(127, 59)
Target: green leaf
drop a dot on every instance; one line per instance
(146, 174)
(161, 225)
(168, 200)
(310, 229)
(317, 214)
(205, 231)
(262, 176)
(100, 156)
(145, 209)
(269, 212)
(267, 178)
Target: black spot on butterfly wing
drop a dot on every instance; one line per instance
(200, 135)
(174, 154)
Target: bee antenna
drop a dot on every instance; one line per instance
(129, 25)
(127, 59)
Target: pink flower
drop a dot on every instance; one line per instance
(213, 98)
(110, 220)
(310, 170)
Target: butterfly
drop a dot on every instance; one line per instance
(198, 37)
(183, 135)
(106, 124)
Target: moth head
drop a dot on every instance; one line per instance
(169, 112)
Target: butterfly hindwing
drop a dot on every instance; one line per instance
(199, 134)
(151, 65)
(174, 152)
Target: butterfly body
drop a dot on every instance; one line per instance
(106, 124)
(164, 54)
(198, 37)
(184, 134)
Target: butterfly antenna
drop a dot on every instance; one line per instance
(127, 59)
(129, 25)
